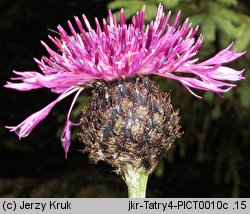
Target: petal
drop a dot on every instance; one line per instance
(226, 73)
(66, 134)
(203, 84)
(66, 137)
(58, 82)
(28, 79)
(24, 128)
(223, 56)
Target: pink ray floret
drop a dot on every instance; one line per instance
(120, 50)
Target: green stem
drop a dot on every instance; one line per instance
(136, 180)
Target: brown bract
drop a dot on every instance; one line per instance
(129, 121)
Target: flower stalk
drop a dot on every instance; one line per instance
(136, 180)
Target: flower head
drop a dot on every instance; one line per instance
(120, 51)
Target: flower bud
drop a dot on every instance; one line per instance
(129, 122)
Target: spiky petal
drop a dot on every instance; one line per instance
(26, 127)
(118, 50)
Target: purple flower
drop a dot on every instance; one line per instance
(117, 50)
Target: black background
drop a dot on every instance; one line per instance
(35, 167)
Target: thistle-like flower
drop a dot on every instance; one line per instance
(128, 120)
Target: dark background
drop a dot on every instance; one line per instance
(211, 159)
